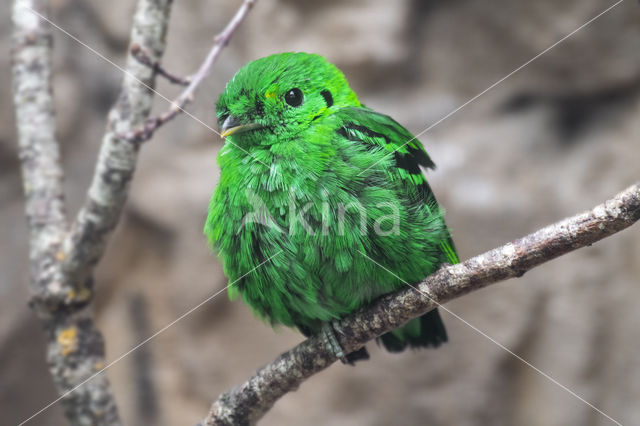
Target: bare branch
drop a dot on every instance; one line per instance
(145, 132)
(117, 161)
(38, 147)
(247, 403)
(74, 346)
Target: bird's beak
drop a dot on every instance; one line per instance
(233, 125)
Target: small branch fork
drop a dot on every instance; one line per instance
(248, 402)
(143, 57)
(192, 82)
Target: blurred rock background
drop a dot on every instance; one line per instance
(558, 137)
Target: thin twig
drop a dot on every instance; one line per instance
(142, 56)
(247, 403)
(145, 132)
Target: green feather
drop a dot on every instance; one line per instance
(295, 181)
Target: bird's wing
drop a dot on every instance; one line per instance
(368, 126)
(378, 130)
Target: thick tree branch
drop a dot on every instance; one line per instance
(247, 403)
(177, 106)
(74, 346)
(109, 189)
(38, 148)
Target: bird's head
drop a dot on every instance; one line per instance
(276, 97)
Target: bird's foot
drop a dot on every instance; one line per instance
(331, 342)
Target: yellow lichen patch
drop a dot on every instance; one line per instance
(68, 340)
(82, 295)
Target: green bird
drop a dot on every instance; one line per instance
(322, 205)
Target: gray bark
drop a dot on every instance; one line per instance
(85, 244)
(62, 260)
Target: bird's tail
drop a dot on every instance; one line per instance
(424, 332)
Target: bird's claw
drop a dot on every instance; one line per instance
(331, 341)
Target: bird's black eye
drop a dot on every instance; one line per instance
(294, 97)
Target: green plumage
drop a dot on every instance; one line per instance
(310, 182)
